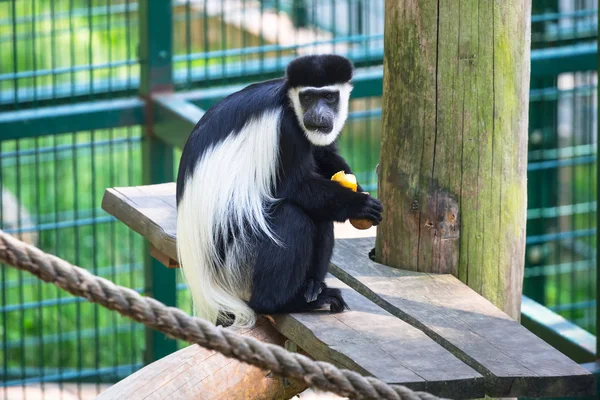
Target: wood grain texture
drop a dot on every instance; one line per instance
(198, 373)
(148, 210)
(453, 160)
(373, 342)
(514, 361)
(366, 339)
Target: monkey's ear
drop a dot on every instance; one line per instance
(319, 70)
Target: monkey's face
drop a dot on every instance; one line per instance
(321, 111)
(319, 107)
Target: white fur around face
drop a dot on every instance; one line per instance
(316, 138)
(229, 188)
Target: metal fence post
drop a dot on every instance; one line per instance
(155, 52)
(541, 190)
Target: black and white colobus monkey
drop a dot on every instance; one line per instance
(255, 201)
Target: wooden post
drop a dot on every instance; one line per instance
(454, 148)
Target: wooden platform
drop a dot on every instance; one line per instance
(428, 332)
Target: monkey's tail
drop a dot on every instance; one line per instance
(215, 296)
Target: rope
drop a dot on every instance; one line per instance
(178, 325)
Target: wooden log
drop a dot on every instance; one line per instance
(197, 373)
(454, 147)
(513, 360)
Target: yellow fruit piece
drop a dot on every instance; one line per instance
(346, 180)
(349, 181)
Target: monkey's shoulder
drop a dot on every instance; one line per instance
(232, 113)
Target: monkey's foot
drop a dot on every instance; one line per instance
(372, 254)
(313, 290)
(333, 298)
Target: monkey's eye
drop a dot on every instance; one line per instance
(330, 96)
(306, 97)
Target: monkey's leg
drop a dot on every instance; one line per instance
(322, 251)
(280, 273)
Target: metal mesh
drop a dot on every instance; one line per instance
(55, 50)
(51, 192)
(561, 221)
(242, 40)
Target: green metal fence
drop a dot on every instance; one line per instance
(561, 229)
(75, 78)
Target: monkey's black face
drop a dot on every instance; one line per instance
(319, 109)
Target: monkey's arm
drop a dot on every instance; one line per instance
(326, 200)
(329, 162)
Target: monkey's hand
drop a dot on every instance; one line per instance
(313, 290)
(370, 209)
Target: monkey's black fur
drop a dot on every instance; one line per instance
(290, 278)
(319, 70)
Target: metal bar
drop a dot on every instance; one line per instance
(553, 61)
(60, 225)
(174, 119)
(573, 341)
(65, 70)
(553, 94)
(561, 211)
(156, 72)
(71, 118)
(160, 282)
(562, 152)
(76, 12)
(556, 269)
(597, 275)
(102, 271)
(124, 371)
(158, 164)
(552, 164)
(67, 336)
(64, 148)
(560, 236)
(566, 14)
(573, 306)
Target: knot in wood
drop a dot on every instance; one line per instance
(443, 215)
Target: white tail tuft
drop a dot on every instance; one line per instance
(229, 189)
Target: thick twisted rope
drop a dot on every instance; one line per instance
(177, 324)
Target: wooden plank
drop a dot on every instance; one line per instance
(373, 342)
(513, 360)
(163, 258)
(366, 339)
(197, 373)
(149, 211)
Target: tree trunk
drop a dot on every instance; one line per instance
(454, 149)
